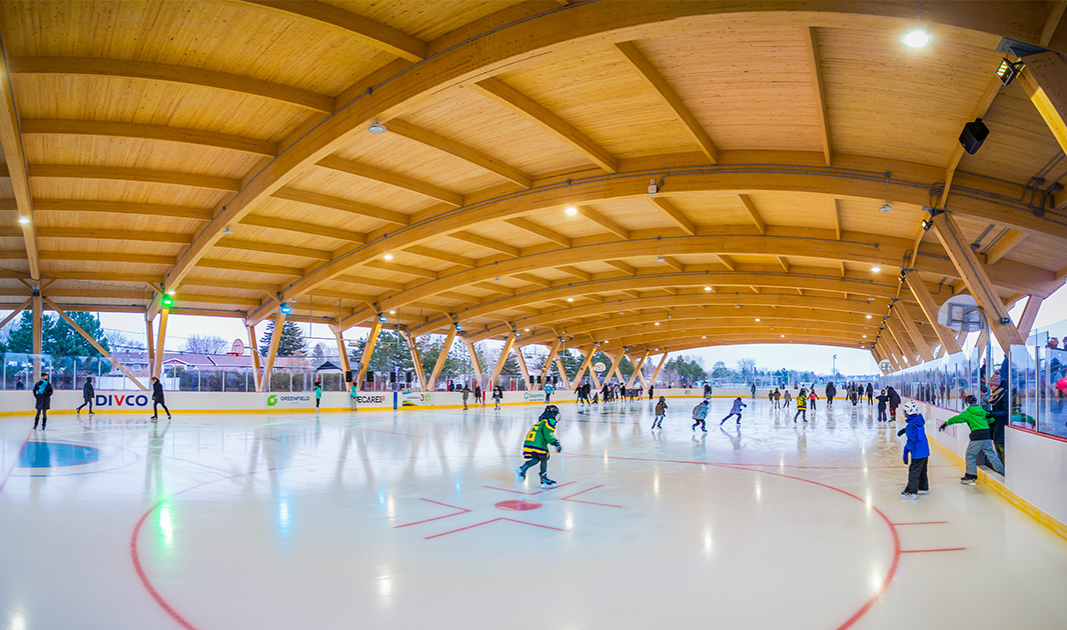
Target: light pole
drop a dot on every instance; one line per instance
(833, 370)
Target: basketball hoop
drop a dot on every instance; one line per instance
(238, 348)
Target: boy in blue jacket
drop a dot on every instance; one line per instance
(918, 448)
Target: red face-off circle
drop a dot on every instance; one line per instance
(518, 505)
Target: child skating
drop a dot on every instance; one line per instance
(802, 406)
(735, 411)
(812, 397)
(918, 448)
(981, 440)
(535, 447)
(700, 412)
(661, 410)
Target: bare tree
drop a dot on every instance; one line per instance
(204, 344)
(747, 367)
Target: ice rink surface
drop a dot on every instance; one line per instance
(413, 519)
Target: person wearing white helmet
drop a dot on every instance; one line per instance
(919, 448)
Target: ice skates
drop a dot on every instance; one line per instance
(547, 483)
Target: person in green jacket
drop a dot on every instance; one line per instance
(981, 439)
(318, 394)
(535, 448)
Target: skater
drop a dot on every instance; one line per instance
(157, 399)
(882, 399)
(735, 411)
(700, 412)
(918, 448)
(548, 392)
(707, 390)
(870, 394)
(478, 395)
(535, 447)
(770, 396)
(812, 397)
(498, 395)
(650, 393)
(777, 398)
(894, 402)
(788, 399)
(466, 391)
(802, 406)
(88, 392)
(42, 392)
(981, 439)
(831, 391)
(753, 388)
(661, 410)
(318, 395)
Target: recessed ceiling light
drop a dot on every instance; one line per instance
(388, 257)
(526, 330)
(783, 336)
(868, 317)
(656, 324)
(704, 337)
(917, 38)
(170, 292)
(571, 210)
(570, 299)
(24, 220)
(865, 336)
(876, 269)
(392, 312)
(707, 288)
(757, 319)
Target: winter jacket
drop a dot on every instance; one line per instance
(831, 391)
(157, 392)
(661, 408)
(802, 402)
(916, 445)
(737, 406)
(700, 411)
(42, 392)
(318, 392)
(539, 437)
(87, 391)
(894, 398)
(977, 419)
(882, 400)
(998, 409)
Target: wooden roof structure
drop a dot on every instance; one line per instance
(220, 149)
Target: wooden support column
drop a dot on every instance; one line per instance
(637, 370)
(901, 340)
(1026, 320)
(151, 344)
(161, 340)
(417, 361)
(94, 343)
(476, 365)
(977, 280)
(368, 351)
(585, 363)
(1045, 81)
(14, 313)
(900, 310)
(440, 363)
(341, 353)
(982, 342)
(615, 360)
(563, 374)
(508, 343)
(522, 365)
(256, 368)
(592, 372)
(272, 349)
(38, 324)
(659, 366)
(891, 351)
(929, 309)
(552, 352)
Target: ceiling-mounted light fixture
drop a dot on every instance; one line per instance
(285, 308)
(707, 288)
(653, 188)
(571, 210)
(885, 207)
(388, 256)
(1007, 71)
(376, 127)
(660, 258)
(24, 220)
(876, 268)
(917, 37)
(570, 299)
(227, 231)
(392, 311)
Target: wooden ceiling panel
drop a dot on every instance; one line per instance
(612, 103)
(416, 20)
(125, 191)
(337, 184)
(219, 36)
(863, 216)
(881, 94)
(464, 116)
(117, 99)
(136, 153)
(760, 96)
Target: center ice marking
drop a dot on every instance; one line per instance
(518, 505)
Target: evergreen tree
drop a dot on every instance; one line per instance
(391, 354)
(429, 351)
(290, 344)
(58, 338)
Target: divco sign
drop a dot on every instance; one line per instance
(121, 400)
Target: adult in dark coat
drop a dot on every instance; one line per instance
(894, 402)
(42, 392)
(88, 392)
(157, 399)
(831, 391)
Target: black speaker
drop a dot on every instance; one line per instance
(392, 377)
(531, 379)
(974, 134)
(349, 376)
(407, 377)
(370, 376)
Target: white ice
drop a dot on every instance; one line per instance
(391, 520)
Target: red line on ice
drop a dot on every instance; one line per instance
(16, 462)
(493, 521)
(436, 518)
(531, 493)
(933, 550)
(568, 498)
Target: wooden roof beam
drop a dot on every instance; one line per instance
(336, 203)
(302, 227)
(455, 149)
(390, 178)
(17, 171)
(234, 265)
(172, 74)
(812, 46)
(139, 175)
(621, 266)
(662, 88)
(727, 261)
(519, 103)
(436, 254)
(104, 256)
(674, 263)
(161, 133)
(486, 242)
(411, 271)
(1007, 242)
(576, 272)
(366, 30)
(675, 214)
(230, 242)
(604, 222)
(782, 261)
(119, 207)
(543, 232)
(751, 208)
(532, 279)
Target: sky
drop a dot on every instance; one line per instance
(850, 361)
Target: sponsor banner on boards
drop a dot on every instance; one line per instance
(416, 399)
